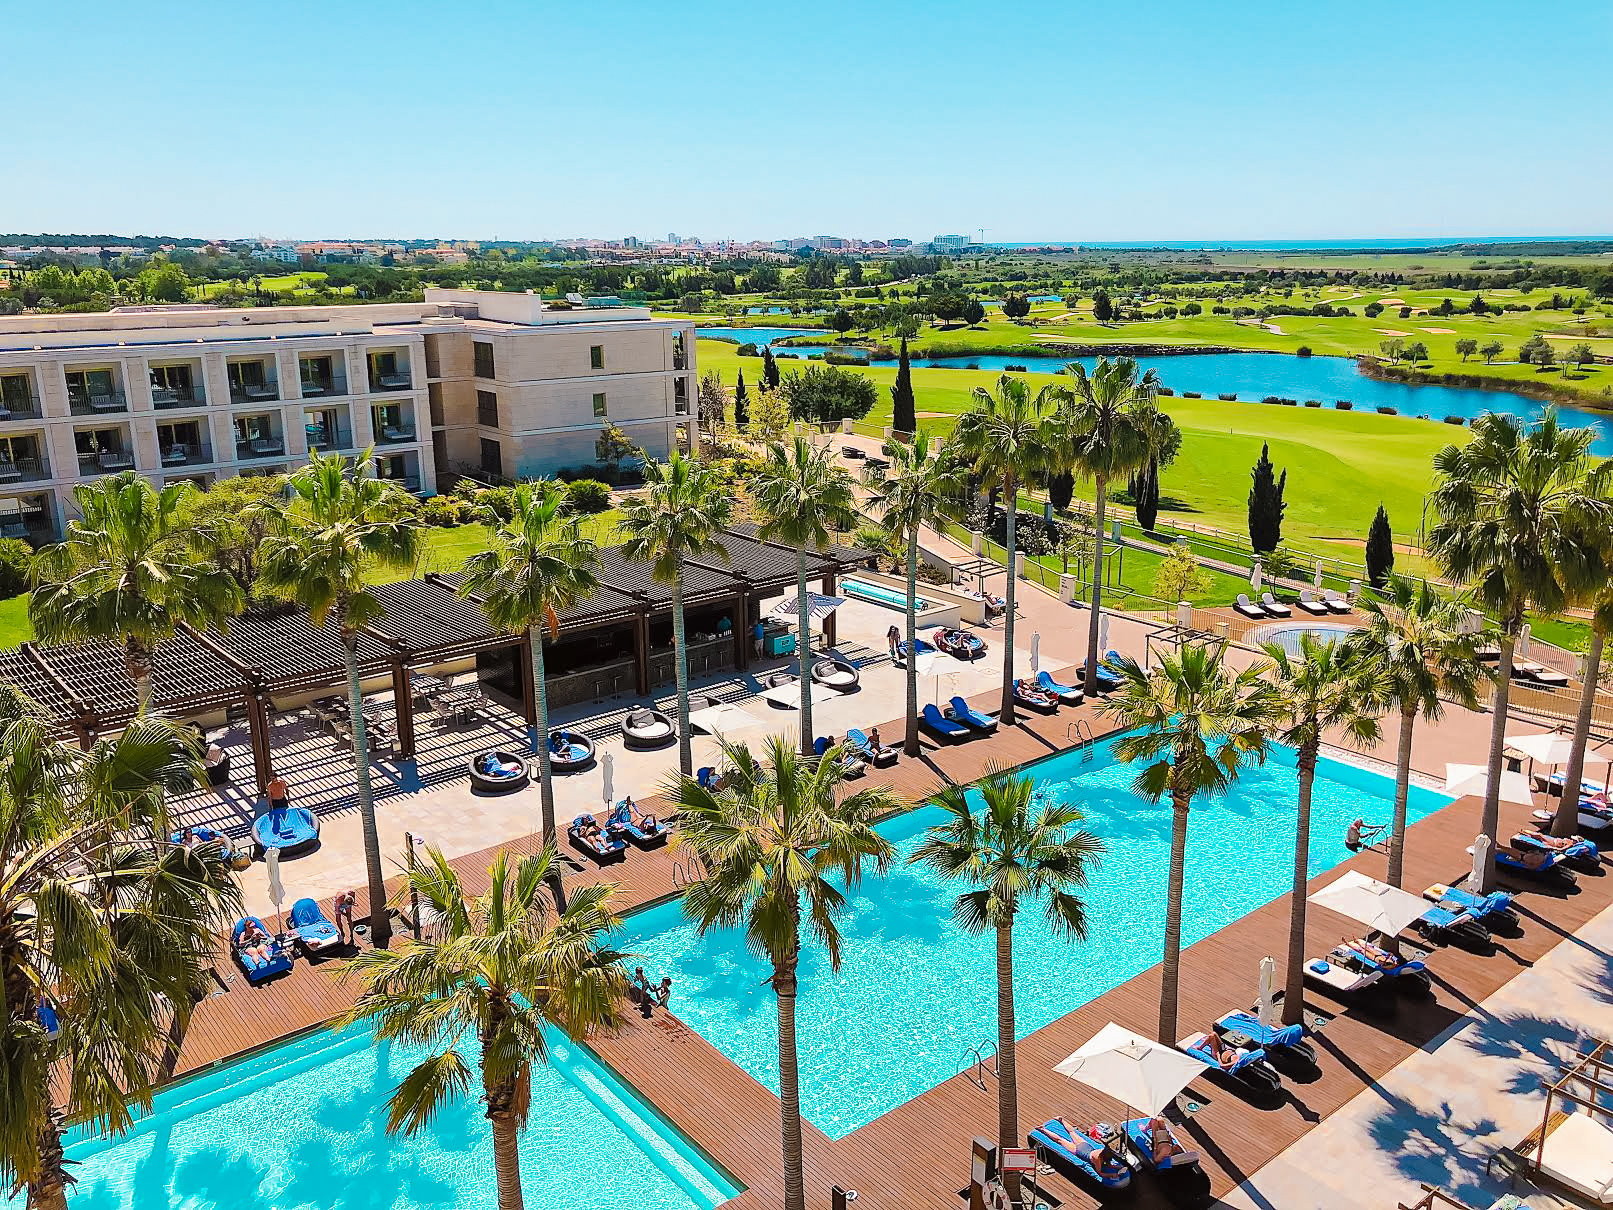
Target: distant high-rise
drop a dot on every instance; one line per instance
(949, 243)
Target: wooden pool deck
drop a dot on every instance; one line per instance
(917, 1154)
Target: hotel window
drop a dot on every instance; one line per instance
(492, 457)
(679, 355)
(171, 384)
(599, 403)
(16, 393)
(487, 408)
(484, 359)
(596, 357)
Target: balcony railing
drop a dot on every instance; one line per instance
(20, 406)
(398, 380)
(186, 453)
(325, 437)
(317, 388)
(106, 462)
(254, 392)
(23, 470)
(97, 404)
(394, 434)
(409, 483)
(261, 447)
(178, 397)
(33, 525)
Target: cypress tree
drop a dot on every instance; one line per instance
(1145, 494)
(741, 402)
(1380, 549)
(1061, 490)
(903, 419)
(1266, 504)
(770, 374)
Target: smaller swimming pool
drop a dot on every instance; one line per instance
(881, 595)
(1287, 635)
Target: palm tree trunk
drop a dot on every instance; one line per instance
(680, 664)
(138, 661)
(540, 708)
(1100, 500)
(1397, 829)
(380, 922)
(1490, 820)
(48, 1191)
(803, 657)
(1170, 975)
(789, 1082)
(1566, 822)
(501, 1098)
(1007, 1067)
(1294, 987)
(910, 743)
(1007, 712)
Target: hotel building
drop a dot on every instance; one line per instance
(483, 383)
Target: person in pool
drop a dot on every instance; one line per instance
(1361, 835)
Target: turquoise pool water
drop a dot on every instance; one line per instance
(304, 1126)
(1288, 634)
(914, 991)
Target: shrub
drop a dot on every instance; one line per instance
(15, 558)
(1165, 391)
(1191, 395)
(1387, 411)
(1313, 403)
(845, 359)
(1230, 398)
(1303, 351)
(1456, 420)
(1272, 399)
(748, 350)
(1289, 403)
(1343, 405)
(587, 496)
(500, 500)
(973, 365)
(1405, 312)
(445, 511)
(1016, 369)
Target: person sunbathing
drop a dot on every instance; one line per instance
(1160, 1142)
(590, 832)
(1225, 1056)
(1032, 692)
(1531, 858)
(1555, 843)
(1379, 957)
(254, 942)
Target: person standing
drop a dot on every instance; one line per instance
(893, 640)
(279, 791)
(344, 905)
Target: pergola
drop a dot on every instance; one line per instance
(86, 689)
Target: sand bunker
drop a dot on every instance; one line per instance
(1439, 331)
(1390, 332)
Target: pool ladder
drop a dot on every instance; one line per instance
(985, 1063)
(684, 872)
(1081, 733)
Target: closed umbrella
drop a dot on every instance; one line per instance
(1481, 861)
(609, 767)
(1266, 1009)
(1103, 632)
(1379, 906)
(1317, 578)
(1462, 780)
(277, 892)
(1134, 1071)
(1256, 576)
(1036, 653)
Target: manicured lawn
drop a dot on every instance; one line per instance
(14, 627)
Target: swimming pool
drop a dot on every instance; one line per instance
(881, 595)
(1288, 634)
(914, 992)
(304, 1125)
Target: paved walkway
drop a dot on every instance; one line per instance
(1441, 1114)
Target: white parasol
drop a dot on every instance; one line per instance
(1256, 576)
(924, 663)
(1462, 780)
(720, 718)
(277, 892)
(1103, 633)
(1317, 578)
(1555, 747)
(608, 766)
(1481, 862)
(789, 694)
(1375, 904)
(1134, 1071)
(1036, 653)
(1265, 1009)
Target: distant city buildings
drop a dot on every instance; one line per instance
(943, 244)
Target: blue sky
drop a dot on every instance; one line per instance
(1034, 121)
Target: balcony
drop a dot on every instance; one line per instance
(31, 524)
(186, 453)
(320, 386)
(178, 397)
(327, 437)
(105, 462)
(260, 447)
(394, 434)
(28, 469)
(19, 405)
(409, 483)
(248, 383)
(99, 403)
(396, 380)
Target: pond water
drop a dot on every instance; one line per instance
(1252, 376)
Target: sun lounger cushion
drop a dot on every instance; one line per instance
(942, 726)
(1068, 694)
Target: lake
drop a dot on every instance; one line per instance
(1252, 376)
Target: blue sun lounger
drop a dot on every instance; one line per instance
(259, 969)
(1250, 1068)
(1086, 1156)
(621, 824)
(1454, 925)
(864, 747)
(1271, 1038)
(312, 928)
(1142, 1146)
(962, 712)
(1108, 678)
(1489, 910)
(1581, 852)
(941, 727)
(1068, 694)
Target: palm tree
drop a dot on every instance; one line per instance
(1021, 846)
(1108, 426)
(913, 494)
(1515, 512)
(103, 922)
(1597, 594)
(1004, 438)
(680, 517)
(343, 524)
(538, 564)
(126, 573)
(779, 847)
(801, 494)
(1423, 646)
(499, 970)
(1325, 686)
(1196, 725)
